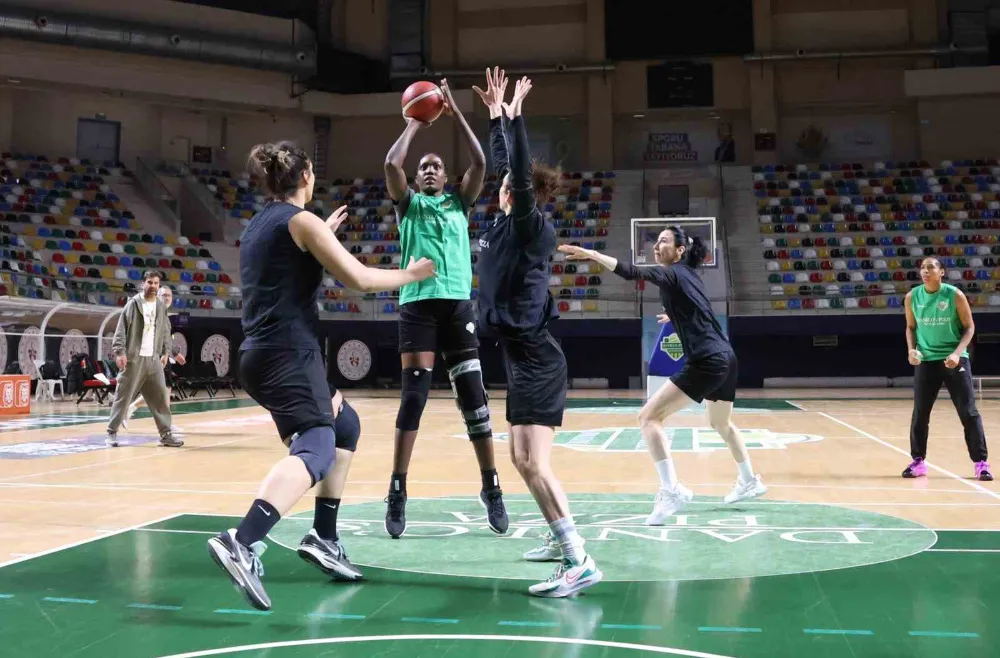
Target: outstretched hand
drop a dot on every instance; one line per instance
(521, 90)
(573, 252)
(334, 221)
(449, 100)
(421, 269)
(496, 87)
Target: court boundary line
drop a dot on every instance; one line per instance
(82, 542)
(975, 485)
(543, 639)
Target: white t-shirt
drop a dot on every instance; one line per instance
(148, 327)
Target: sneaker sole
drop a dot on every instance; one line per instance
(578, 586)
(220, 554)
(757, 494)
(337, 570)
(488, 522)
(914, 476)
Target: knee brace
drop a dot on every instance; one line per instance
(416, 387)
(467, 383)
(315, 447)
(348, 427)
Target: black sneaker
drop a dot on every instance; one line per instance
(170, 441)
(327, 556)
(395, 514)
(496, 514)
(242, 565)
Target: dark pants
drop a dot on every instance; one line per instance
(927, 382)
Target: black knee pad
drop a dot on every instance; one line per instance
(466, 376)
(416, 387)
(315, 447)
(348, 427)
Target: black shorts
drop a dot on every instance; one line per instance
(437, 325)
(536, 380)
(292, 385)
(712, 378)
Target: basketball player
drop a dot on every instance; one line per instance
(438, 314)
(282, 256)
(709, 372)
(166, 295)
(515, 303)
(939, 328)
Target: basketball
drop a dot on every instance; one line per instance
(423, 101)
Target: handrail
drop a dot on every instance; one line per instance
(159, 196)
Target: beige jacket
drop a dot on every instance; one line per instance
(128, 334)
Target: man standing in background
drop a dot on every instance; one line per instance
(141, 344)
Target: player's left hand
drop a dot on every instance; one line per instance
(573, 252)
(662, 318)
(449, 100)
(163, 361)
(952, 360)
(334, 221)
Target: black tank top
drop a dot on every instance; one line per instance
(280, 283)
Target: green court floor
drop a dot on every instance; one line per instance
(766, 580)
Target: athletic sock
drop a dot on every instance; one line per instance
(325, 519)
(257, 523)
(490, 478)
(569, 540)
(668, 475)
(397, 483)
(745, 470)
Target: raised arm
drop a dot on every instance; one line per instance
(660, 276)
(520, 154)
(472, 181)
(496, 87)
(312, 234)
(395, 177)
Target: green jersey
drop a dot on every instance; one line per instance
(436, 227)
(939, 329)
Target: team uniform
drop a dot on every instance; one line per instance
(515, 303)
(710, 366)
(281, 367)
(938, 333)
(438, 315)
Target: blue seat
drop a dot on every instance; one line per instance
(134, 275)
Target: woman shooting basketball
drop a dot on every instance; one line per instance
(438, 314)
(709, 372)
(282, 256)
(939, 328)
(515, 302)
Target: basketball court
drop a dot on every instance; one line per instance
(104, 549)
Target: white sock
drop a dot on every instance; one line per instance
(569, 540)
(668, 476)
(746, 470)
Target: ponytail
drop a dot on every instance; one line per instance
(695, 249)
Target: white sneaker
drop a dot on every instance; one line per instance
(128, 414)
(568, 579)
(746, 490)
(668, 502)
(549, 551)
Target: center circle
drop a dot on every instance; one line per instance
(706, 540)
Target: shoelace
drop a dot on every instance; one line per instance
(494, 500)
(560, 570)
(395, 506)
(256, 550)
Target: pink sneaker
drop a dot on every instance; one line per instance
(916, 469)
(983, 472)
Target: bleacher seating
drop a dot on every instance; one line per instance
(62, 222)
(581, 213)
(853, 236)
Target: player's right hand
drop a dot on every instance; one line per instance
(421, 269)
(121, 361)
(662, 318)
(573, 252)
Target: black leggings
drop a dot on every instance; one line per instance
(927, 381)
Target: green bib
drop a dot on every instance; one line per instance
(939, 330)
(437, 227)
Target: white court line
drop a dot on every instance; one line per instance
(975, 485)
(448, 638)
(88, 541)
(797, 406)
(962, 550)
